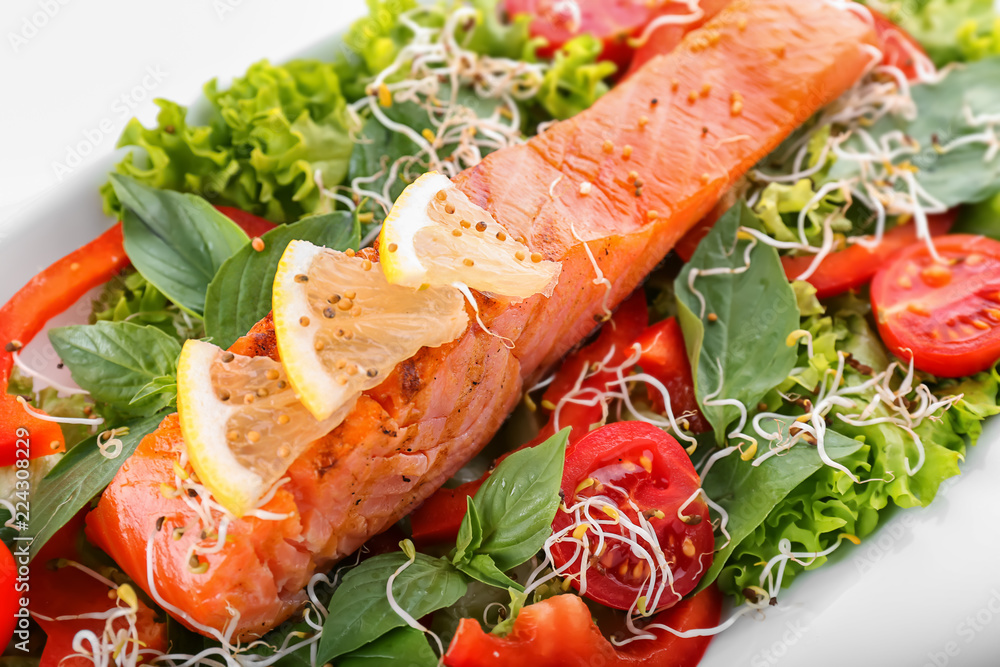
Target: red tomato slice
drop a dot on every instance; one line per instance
(611, 21)
(664, 356)
(899, 48)
(854, 266)
(946, 316)
(559, 632)
(9, 596)
(635, 463)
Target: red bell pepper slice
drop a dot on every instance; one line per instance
(856, 265)
(46, 295)
(9, 595)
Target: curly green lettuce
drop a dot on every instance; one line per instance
(268, 135)
(829, 503)
(576, 78)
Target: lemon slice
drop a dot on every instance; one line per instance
(242, 424)
(435, 236)
(341, 327)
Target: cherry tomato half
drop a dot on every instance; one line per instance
(638, 468)
(945, 315)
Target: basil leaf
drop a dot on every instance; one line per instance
(164, 388)
(470, 533)
(360, 610)
(482, 568)
(748, 493)
(176, 241)
(742, 354)
(516, 504)
(402, 646)
(80, 475)
(240, 293)
(115, 361)
(943, 110)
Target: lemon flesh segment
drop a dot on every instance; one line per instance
(434, 235)
(342, 328)
(242, 424)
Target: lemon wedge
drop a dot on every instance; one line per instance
(341, 327)
(434, 235)
(242, 424)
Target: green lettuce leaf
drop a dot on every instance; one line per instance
(371, 44)
(130, 297)
(494, 36)
(269, 133)
(576, 78)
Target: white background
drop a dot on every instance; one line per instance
(68, 77)
(924, 590)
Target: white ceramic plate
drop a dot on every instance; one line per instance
(923, 591)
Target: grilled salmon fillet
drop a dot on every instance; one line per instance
(659, 151)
